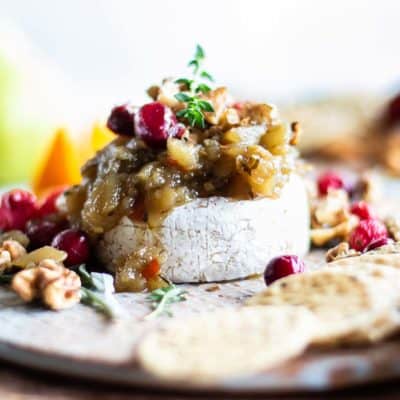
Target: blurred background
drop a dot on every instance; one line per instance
(66, 63)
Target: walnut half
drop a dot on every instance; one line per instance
(58, 287)
(10, 250)
(342, 250)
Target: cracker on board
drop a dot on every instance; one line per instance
(227, 343)
(349, 302)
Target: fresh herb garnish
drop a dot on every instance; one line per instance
(195, 106)
(161, 299)
(97, 292)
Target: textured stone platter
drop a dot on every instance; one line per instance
(79, 342)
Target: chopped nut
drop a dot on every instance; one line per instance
(15, 249)
(296, 130)
(331, 209)
(342, 250)
(57, 286)
(219, 100)
(24, 284)
(393, 226)
(5, 260)
(63, 292)
(371, 187)
(321, 236)
(10, 251)
(16, 235)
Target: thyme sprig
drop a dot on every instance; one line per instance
(97, 292)
(195, 106)
(162, 298)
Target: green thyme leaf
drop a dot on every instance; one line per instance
(199, 55)
(206, 75)
(183, 97)
(161, 299)
(97, 292)
(92, 299)
(202, 88)
(205, 106)
(195, 106)
(187, 82)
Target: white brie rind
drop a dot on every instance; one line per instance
(218, 239)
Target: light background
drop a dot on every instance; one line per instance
(111, 50)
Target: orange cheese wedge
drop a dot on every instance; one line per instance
(101, 136)
(60, 165)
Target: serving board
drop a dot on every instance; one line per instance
(80, 343)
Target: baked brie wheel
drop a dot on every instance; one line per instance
(217, 239)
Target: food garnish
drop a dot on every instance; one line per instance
(49, 281)
(282, 266)
(97, 292)
(363, 210)
(367, 232)
(328, 181)
(75, 243)
(195, 105)
(162, 298)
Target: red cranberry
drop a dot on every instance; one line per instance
(155, 122)
(120, 120)
(20, 206)
(5, 219)
(329, 180)
(280, 267)
(49, 204)
(75, 243)
(366, 232)
(379, 243)
(41, 232)
(363, 210)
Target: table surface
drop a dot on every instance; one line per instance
(22, 384)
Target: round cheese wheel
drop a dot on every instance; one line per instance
(218, 239)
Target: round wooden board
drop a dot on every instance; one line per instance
(80, 343)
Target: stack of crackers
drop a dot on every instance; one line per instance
(349, 302)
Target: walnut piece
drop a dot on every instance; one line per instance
(342, 250)
(58, 287)
(10, 251)
(321, 236)
(393, 226)
(331, 209)
(16, 235)
(370, 187)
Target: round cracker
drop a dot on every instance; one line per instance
(348, 302)
(227, 343)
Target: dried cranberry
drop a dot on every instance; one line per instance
(363, 210)
(75, 243)
(49, 204)
(329, 180)
(5, 219)
(392, 113)
(120, 120)
(18, 206)
(155, 122)
(366, 232)
(41, 232)
(379, 243)
(280, 267)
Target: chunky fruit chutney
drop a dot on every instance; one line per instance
(164, 161)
